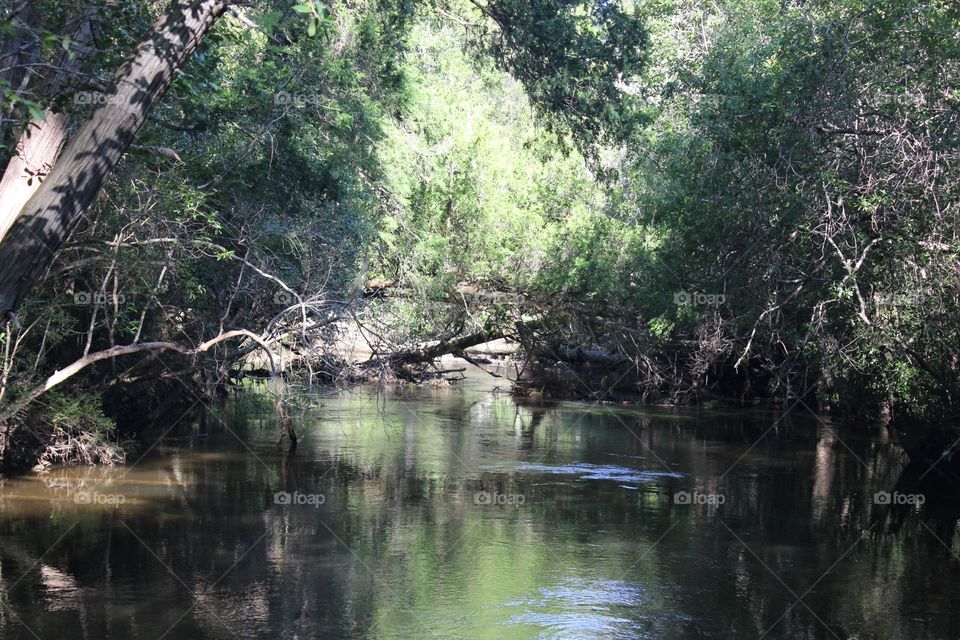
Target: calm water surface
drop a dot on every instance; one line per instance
(457, 513)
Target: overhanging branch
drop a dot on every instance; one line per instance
(114, 352)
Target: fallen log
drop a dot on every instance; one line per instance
(444, 347)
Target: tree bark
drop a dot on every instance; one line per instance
(37, 151)
(57, 206)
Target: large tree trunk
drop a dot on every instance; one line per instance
(36, 152)
(56, 207)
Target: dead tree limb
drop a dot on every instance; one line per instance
(114, 352)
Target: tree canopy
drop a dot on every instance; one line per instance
(750, 200)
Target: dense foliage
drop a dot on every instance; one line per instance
(751, 199)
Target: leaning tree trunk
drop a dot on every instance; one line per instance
(36, 152)
(54, 210)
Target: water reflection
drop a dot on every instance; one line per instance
(587, 609)
(585, 471)
(191, 542)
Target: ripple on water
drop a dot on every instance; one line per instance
(585, 471)
(578, 608)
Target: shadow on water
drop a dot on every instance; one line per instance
(462, 514)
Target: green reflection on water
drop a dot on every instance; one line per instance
(589, 543)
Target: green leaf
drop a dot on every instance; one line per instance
(302, 8)
(312, 29)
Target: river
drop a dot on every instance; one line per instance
(460, 513)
